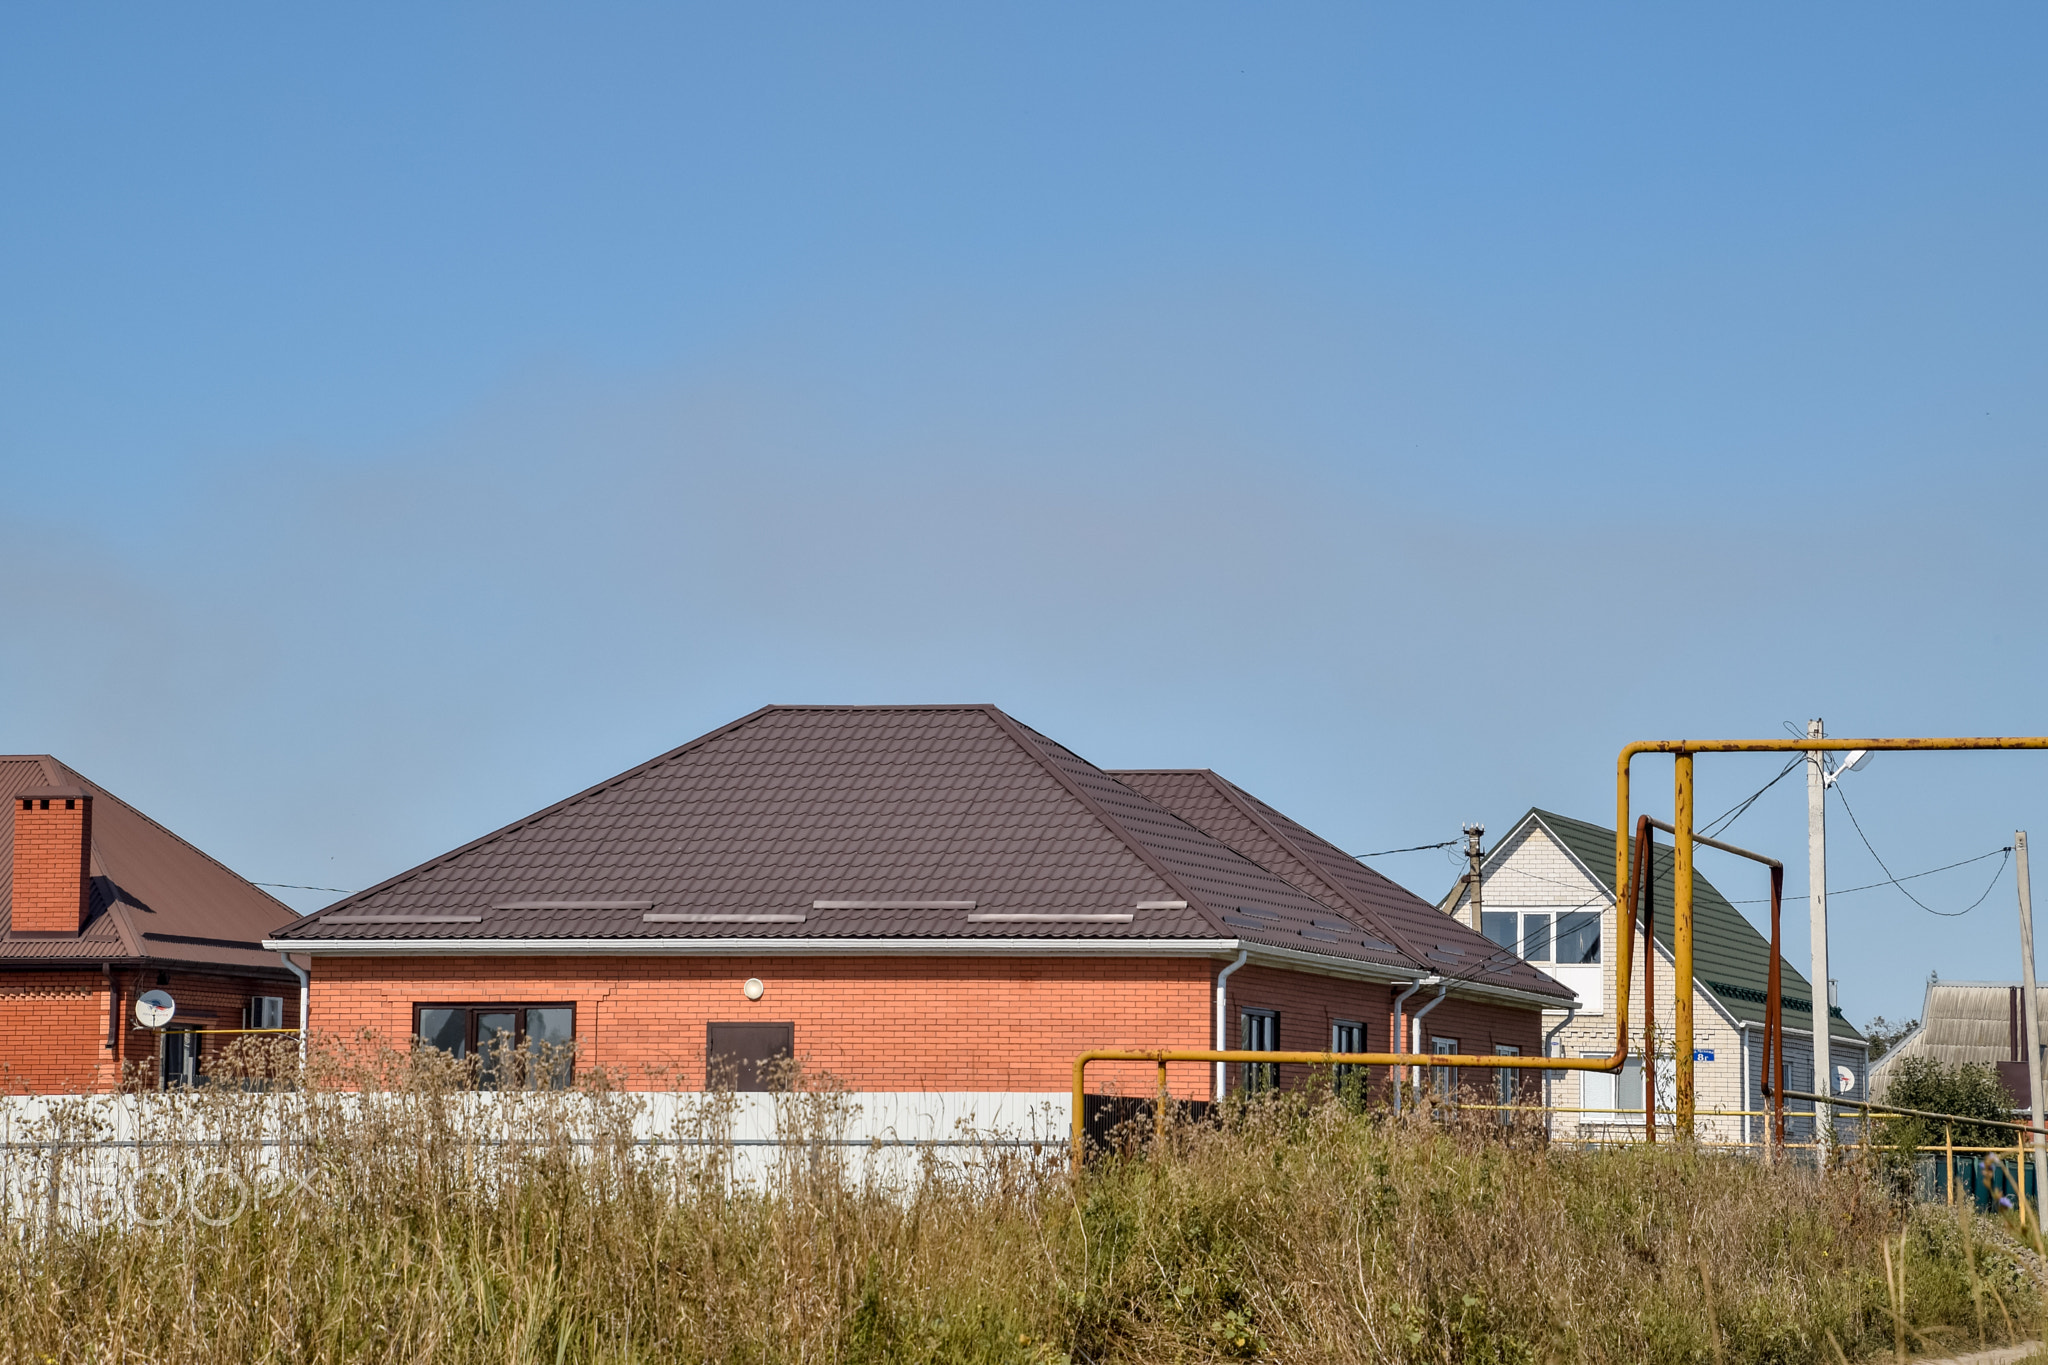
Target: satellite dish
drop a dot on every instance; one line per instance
(1845, 1080)
(155, 1008)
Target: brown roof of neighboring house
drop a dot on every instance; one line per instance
(1235, 817)
(154, 897)
(797, 827)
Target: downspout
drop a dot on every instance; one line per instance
(305, 992)
(1222, 995)
(1400, 1032)
(1548, 1039)
(1415, 1020)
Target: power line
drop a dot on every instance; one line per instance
(1418, 848)
(295, 886)
(1945, 914)
(1734, 813)
(1910, 876)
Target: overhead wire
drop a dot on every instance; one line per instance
(1418, 848)
(296, 886)
(1945, 914)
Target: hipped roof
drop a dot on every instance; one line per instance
(154, 897)
(878, 813)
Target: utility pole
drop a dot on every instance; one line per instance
(2030, 1020)
(1472, 833)
(1817, 922)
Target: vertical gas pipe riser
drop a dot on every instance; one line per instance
(1644, 902)
(1681, 935)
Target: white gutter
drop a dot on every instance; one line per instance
(1222, 1015)
(1263, 955)
(758, 947)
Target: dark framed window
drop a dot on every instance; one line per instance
(748, 1056)
(541, 1038)
(1446, 1076)
(1578, 938)
(179, 1058)
(1347, 1036)
(1259, 1031)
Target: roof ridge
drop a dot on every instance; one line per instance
(1248, 804)
(570, 800)
(1017, 731)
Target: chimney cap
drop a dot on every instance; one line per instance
(43, 793)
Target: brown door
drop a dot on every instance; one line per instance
(740, 1055)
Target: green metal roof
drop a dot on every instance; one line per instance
(1730, 958)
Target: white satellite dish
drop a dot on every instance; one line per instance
(155, 1008)
(1845, 1080)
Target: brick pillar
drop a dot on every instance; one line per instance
(52, 861)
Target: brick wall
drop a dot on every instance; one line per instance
(876, 1023)
(1309, 1004)
(926, 1023)
(53, 1024)
(52, 871)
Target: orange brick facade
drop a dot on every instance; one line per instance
(52, 856)
(53, 1024)
(893, 1023)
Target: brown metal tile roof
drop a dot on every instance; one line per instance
(154, 896)
(1235, 817)
(802, 823)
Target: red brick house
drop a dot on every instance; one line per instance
(99, 904)
(912, 898)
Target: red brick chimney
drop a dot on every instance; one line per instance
(52, 861)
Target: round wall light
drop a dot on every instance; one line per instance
(754, 988)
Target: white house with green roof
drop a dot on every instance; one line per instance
(1548, 895)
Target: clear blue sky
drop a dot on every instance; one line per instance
(409, 416)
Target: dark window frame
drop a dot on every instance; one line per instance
(1259, 1077)
(516, 1008)
(1348, 1074)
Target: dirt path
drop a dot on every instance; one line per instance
(2002, 1355)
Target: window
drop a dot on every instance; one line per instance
(1526, 932)
(264, 1011)
(1346, 1036)
(1504, 1080)
(748, 1056)
(1499, 925)
(178, 1063)
(1259, 1031)
(492, 1033)
(1446, 1087)
(1607, 1097)
(1578, 938)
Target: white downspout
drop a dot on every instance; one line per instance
(1415, 1021)
(305, 992)
(1401, 1031)
(1222, 1014)
(1549, 1125)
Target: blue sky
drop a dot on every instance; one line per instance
(409, 417)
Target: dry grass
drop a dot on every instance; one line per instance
(1299, 1231)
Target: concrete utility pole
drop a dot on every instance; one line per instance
(1472, 878)
(2030, 1020)
(1817, 920)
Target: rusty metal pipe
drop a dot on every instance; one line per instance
(1683, 751)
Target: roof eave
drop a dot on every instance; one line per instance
(756, 947)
